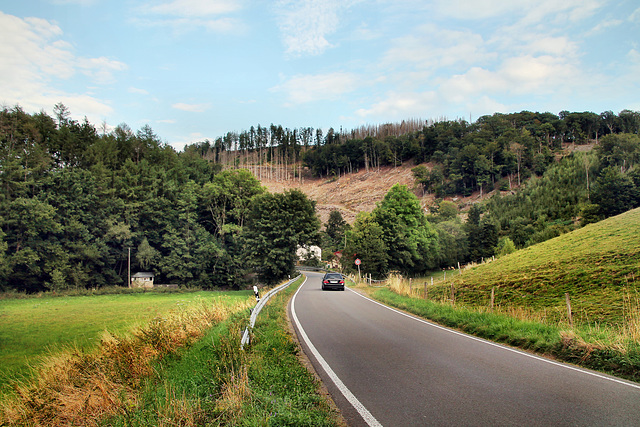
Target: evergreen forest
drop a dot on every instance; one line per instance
(79, 205)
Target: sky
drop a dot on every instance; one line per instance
(197, 69)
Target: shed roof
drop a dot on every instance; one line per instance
(143, 275)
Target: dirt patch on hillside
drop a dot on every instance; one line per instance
(351, 193)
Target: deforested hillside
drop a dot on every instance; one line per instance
(349, 193)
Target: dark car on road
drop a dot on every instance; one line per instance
(333, 281)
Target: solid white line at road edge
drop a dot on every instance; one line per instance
(364, 413)
(494, 344)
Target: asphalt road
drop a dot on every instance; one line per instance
(383, 367)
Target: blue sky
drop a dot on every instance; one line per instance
(196, 69)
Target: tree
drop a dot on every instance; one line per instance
(335, 230)
(31, 227)
(228, 197)
(276, 226)
(505, 246)
(365, 241)
(4, 267)
(473, 229)
(615, 192)
(146, 254)
(410, 239)
(622, 150)
(452, 241)
(62, 114)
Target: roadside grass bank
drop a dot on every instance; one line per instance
(575, 297)
(583, 346)
(81, 387)
(33, 327)
(214, 382)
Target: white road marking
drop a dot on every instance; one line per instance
(522, 353)
(364, 413)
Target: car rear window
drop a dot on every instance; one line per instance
(334, 276)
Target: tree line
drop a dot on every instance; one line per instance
(75, 202)
(504, 149)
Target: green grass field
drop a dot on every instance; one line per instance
(34, 327)
(598, 266)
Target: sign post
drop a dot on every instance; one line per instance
(358, 262)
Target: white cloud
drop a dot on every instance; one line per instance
(306, 24)
(35, 60)
(78, 2)
(528, 74)
(523, 11)
(432, 47)
(138, 91)
(303, 89)
(398, 106)
(100, 69)
(610, 23)
(559, 46)
(480, 90)
(192, 108)
(186, 15)
(196, 8)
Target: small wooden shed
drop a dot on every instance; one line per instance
(142, 280)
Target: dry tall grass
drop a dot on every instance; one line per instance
(80, 388)
(616, 337)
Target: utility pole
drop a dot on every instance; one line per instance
(129, 269)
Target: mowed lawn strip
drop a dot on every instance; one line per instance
(34, 327)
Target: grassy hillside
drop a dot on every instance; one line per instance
(598, 266)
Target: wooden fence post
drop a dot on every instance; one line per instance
(568, 298)
(453, 293)
(493, 296)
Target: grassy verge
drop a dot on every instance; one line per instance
(585, 346)
(78, 387)
(32, 328)
(216, 383)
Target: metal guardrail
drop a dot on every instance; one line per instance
(246, 336)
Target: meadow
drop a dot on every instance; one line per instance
(182, 367)
(32, 328)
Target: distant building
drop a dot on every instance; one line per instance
(306, 253)
(142, 280)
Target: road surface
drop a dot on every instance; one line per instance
(383, 367)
